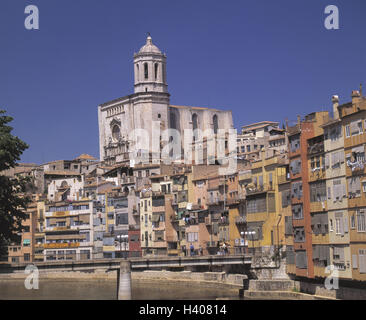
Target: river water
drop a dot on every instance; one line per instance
(73, 289)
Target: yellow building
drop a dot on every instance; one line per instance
(264, 217)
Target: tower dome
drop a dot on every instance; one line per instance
(150, 69)
(149, 47)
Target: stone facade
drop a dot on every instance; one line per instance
(149, 108)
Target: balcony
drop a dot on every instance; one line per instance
(245, 176)
(316, 148)
(173, 252)
(211, 244)
(224, 221)
(283, 179)
(128, 180)
(213, 201)
(208, 221)
(259, 189)
(61, 245)
(240, 220)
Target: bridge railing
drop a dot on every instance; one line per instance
(28, 258)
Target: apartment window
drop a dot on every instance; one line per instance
(248, 148)
(353, 222)
(297, 212)
(359, 125)
(348, 131)
(364, 186)
(354, 261)
(318, 192)
(331, 229)
(361, 223)
(26, 256)
(356, 127)
(339, 226)
(299, 234)
(295, 166)
(301, 259)
(294, 143)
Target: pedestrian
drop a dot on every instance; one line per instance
(224, 248)
(201, 250)
(192, 250)
(184, 250)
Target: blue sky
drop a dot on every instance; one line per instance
(262, 59)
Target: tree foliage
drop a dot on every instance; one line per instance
(13, 198)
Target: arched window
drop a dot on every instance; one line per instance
(195, 126)
(156, 71)
(195, 121)
(215, 123)
(173, 123)
(116, 133)
(146, 71)
(137, 72)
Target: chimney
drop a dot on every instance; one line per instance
(355, 96)
(335, 101)
(298, 120)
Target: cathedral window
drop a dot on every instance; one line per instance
(173, 123)
(156, 71)
(215, 123)
(146, 71)
(116, 133)
(195, 126)
(137, 73)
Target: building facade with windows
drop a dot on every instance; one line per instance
(353, 115)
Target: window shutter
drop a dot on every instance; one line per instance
(327, 161)
(362, 261)
(354, 261)
(346, 223)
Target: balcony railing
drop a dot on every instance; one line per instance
(208, 221)
(211, 244)
(224, 221)
(213, 201)
(316, 148)
(240, 220)
(260, 189)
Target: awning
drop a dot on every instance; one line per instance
(65, 237)
(359, 149)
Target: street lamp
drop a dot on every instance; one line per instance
(122, 238)
(251, 233)
(242, 235)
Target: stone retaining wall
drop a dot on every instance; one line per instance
(232, 280)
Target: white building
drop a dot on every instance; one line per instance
(150, 102)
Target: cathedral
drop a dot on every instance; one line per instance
(149, 109)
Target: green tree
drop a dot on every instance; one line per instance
(13, 198)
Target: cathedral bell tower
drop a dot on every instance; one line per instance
(150, 69)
